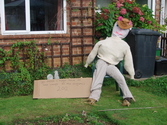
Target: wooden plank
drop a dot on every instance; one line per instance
(62, 88)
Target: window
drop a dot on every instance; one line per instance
(33, 16)
(102, 3)
(150, 3)
(141, 1)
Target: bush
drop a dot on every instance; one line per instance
(157, 86)
(75, 71)
(140, 15)
(19, 81)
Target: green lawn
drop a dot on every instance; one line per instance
(14, 109)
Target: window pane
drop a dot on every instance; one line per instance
(46, 15)
(102, 3)
(15, 14)
(142, 2)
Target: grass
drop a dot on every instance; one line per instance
(25, 110)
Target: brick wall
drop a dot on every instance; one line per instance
(157, 10)
(73, 52)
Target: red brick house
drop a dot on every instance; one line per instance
(67, 24)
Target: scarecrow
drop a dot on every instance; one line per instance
(110, 52)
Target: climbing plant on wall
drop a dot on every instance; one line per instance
(26, 64)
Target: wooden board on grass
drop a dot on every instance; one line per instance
(62, 88)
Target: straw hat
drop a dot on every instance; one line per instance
(124, 23)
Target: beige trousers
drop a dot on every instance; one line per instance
(103, 68)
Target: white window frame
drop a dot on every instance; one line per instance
(27, 31)
(151, 5)
(163, 11)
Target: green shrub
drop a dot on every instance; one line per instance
(19, 81)
(75, 71)
(158, 86)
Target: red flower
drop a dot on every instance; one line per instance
(100, 24)
(105, 11)
(130, 23)
(149, 22)
(105, 17)
(123, 11)
(118, 4)
(120, 18)
(142, 19)
(136, 9)
(140, 13)
(102, 14)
